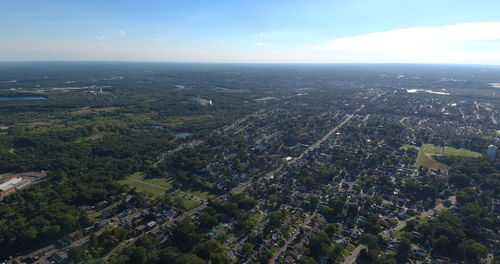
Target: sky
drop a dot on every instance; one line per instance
(264, 31)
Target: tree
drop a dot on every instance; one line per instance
(146, 242)
(76, 254)
(472, 250)
(206, 249)
(219, 257)
(331, 229)
(404, 249)
(248, 248)
(370, 240)
(306, 260)
(185, 235)
(319, 244)
(266, 256)
(352, 210)
(460, 180)
(441, 244)
(335, 253)
(207, 221)
(137, 255)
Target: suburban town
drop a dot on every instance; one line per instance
(347, 174)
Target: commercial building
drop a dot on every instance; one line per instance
(8, 187)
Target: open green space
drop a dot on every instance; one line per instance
(201, 194)
(427, 151)
(186, 203)
(154, 186)
(158, 187)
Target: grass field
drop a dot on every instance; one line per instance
(188, 204)
(427, 151)
(158, 187)
(204, 195)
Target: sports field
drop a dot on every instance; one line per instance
(427, 151)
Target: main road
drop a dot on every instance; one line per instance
(290, 240)
(318, 143)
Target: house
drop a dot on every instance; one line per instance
(151, 224)
(58, 257)
(289, 260)
(420, 253)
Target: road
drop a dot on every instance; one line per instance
(241, 120)
(290, 240)
(325, 137)
(461, 112)
(314, 146)
(477, 111)
(318, 143)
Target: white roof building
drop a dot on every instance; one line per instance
(9, 184)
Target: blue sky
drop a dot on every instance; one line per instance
(252, 31)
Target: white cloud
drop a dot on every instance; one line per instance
(158, 40)
(100, 38)
(121, 33)
(460, 43)
(262, 44)
(261, 35)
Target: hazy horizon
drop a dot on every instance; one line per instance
(363, 31)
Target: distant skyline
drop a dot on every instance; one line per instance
(373, 31)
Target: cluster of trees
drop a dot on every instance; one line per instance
(464, 172)
(47, 211)
(449, 236)
(48, 135)
(79, 174)
(236, 207)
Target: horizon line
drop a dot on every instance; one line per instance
(243, 62)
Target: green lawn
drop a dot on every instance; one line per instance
(203, 195)
(145, 188)
(350, 247)
(157, 187)
(426, 152)
(165, 183)
(154, 186)
(189, 204)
